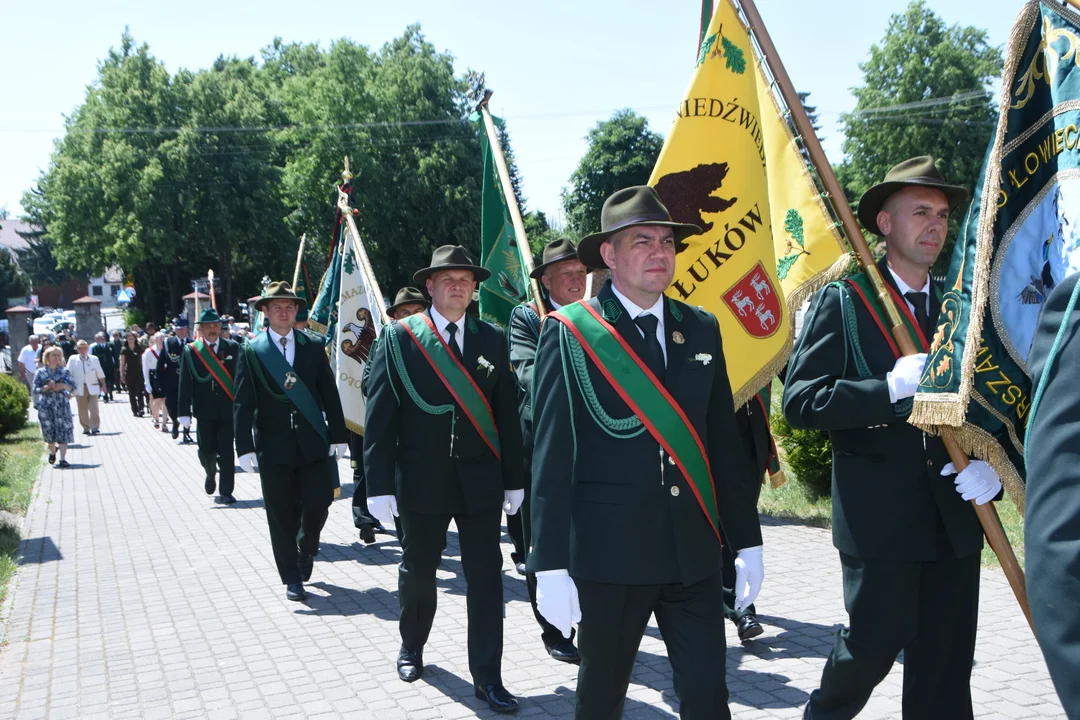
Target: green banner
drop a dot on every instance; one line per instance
(303, 285)
(323, 313)
(508, 286)
(1019, 240)
(647, 398)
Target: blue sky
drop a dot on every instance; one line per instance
(556, 66)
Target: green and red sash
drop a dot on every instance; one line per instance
(862, 287)
(213, 366)
(454, 376)
(647, 398)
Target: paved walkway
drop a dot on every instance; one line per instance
(139, 598)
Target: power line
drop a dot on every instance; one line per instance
(930, 102)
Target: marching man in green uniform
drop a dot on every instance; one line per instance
(284, 390)
(1052, 493)
(908, 538)
(207, 370)
(563, 277)
(637, 462)
(442, 441)
(408, 301)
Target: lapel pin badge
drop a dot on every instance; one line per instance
(678, 338)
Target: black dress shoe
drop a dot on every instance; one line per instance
(175, 431)
(498, 698)
(520, 567)
(749, 627)
(367, 532)
(306, 563)
(52, 458)
(410, 665)
(187, 438)
(209, 486)
(295, 591)
(86, 431)
(228, 500)
(565, 652)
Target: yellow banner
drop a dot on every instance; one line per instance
(809, 248)
(711, 173)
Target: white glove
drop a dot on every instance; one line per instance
(339, 449)
(248, 463)
(384, 508)
(749, 572)
(512, 500)
(148, 390)
(905, 376)
(977, 481)
(185, 422)
(557, 599)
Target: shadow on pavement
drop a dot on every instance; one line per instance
(239, 505)
(79, 466)
(385, 552)
(345, 602)
(35, 551)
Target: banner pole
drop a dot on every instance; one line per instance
(358, 247)
(524, 251)
(299, 262)
(987, 514)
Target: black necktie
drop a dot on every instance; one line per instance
(918, 299)
(654, 354)
(452, 329)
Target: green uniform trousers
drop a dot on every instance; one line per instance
(927, 609)
(422, 542)
(216, 451)
(297, 499)
(613, 620)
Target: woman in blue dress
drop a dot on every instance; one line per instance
(52, 388)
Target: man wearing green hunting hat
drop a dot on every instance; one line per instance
(207, 374)
(290, 428)
(908, 538)
(442, 442)
(637, 461)
(562, 276)
(168, 373)
(408, 301)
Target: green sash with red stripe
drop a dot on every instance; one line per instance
(213, 366)
(454, 376)
(647, 398)
(863, 289)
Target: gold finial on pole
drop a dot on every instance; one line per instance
(346, 175)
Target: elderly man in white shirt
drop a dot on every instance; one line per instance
(89, 378)
(27, 365)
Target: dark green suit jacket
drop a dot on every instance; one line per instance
(524, 336)
(267, 423)
(104, 353)
(888, 496)
(613, 509)
(440, 463)
(1052, 511)
(199, 391)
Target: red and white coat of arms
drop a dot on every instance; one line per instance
(754, 302)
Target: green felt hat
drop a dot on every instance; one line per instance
(630, 207)
(209, 315)
(407, 296)
(279, 290)
(450, 257)
(554, 252)
(916, 172)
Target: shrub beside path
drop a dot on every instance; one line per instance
(137, 597)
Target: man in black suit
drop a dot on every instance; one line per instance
(908, 538)
(168, 373)
(207, 372)
(1052, 506)
(442, 442)
(284, 390)
(408, 301)
(637, 461)
(563, 278)
(103, 352)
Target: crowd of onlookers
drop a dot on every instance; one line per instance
(58, 369)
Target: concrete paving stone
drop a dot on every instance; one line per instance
(218, 639)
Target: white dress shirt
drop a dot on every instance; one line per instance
(657, 310)
(440, 325)
(905, 289)
(290, 344)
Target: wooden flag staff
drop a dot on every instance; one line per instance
(299, 262)
(987, 514)
(524, 251)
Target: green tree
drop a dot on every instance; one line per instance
(901, 112)
(622, 152)
(13, 281)
(538, 230)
